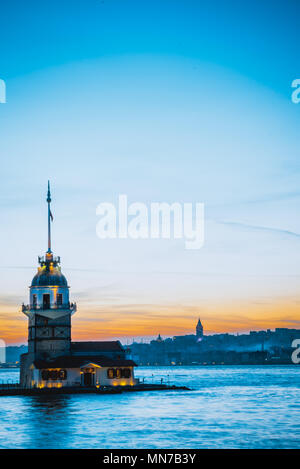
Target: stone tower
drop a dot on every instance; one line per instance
(199, 330)
(49, 310)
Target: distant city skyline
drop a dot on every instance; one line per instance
(162, 101)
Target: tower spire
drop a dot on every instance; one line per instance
(50, 218)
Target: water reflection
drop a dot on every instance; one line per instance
(35, 422)
(50, 421)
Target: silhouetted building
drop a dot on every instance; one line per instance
(199, 330)
(257, 347)
(159, 339)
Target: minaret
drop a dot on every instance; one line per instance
(49, 310)
(199, 330)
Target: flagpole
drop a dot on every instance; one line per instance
(49, 226)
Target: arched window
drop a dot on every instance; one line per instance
(46, 301)
(34, 300)
(59, 299)
(126, 373)
(62, 374)
(53, 374)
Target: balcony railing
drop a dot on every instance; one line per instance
(55, 306)
(42, 259)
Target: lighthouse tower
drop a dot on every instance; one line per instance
(49, 310)
(53, 361)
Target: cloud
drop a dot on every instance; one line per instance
(276, 231)
(11, 300)
(273, 197)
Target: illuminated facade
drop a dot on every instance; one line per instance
(52, 359)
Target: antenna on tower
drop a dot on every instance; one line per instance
(50, 218)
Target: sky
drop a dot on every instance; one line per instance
(164, 101)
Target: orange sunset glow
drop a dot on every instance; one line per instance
(110, 323)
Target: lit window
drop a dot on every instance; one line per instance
(63, 374)
(54, 375)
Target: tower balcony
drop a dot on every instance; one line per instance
(50, 258)
(53, 310)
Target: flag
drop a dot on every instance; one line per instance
(51, 216)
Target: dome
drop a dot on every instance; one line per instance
(51, 277)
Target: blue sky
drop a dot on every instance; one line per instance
(183, 101)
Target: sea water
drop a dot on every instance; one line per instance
(228, 407)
